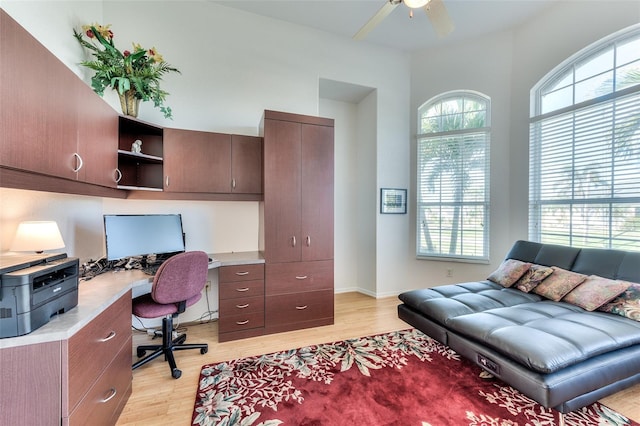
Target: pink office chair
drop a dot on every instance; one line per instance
(177, 284)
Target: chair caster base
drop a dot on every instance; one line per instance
(175, 373)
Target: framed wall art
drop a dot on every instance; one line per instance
(393, 201)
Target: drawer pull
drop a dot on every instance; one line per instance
(109, 337)
(301, 277)
(242, 322)
(243, 289)
(112, 393)
(246, 305)
(293, 241)
(242, 274)
(301, 308)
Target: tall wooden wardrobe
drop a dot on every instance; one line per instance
(297, 237)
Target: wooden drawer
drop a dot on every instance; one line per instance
(104, 401)
(298, 309)
(234, 273)
(241, 322)
(296, 277)
(241, 306)
(93, 348)
(241, 289)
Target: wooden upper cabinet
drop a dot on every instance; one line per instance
(97, 139)
(298, 188)
(196, 161)
(37, 105)
(51, 122)
(246, 164)
(282, 196)
(317, 165)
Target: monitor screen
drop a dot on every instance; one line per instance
(141, 235)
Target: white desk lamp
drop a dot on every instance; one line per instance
(37, 236)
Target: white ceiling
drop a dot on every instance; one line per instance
(472, 18)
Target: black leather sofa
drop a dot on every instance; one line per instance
(556, 353)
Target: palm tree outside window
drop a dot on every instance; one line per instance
(584, 156)
(453, 177)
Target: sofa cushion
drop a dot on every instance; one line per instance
(547, 336)
(554, 255)
(601, 262)
(629, 270)
(449, 301)
(627, 304)
(559, 283)
(595, 291)
(509, 272)
(524, 250)
(533, 277)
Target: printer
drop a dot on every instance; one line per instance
(33, 288)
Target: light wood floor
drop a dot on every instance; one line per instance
(158, 399)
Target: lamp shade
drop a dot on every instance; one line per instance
(37, 236)
(414, 4)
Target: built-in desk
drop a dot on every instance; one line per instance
(76, 369)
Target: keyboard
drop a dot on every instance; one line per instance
(151, 269)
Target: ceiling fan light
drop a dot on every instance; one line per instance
(415, 4)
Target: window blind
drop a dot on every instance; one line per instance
(585, 174)
(453, 195)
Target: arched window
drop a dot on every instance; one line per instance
(584, 165)
(453, 177)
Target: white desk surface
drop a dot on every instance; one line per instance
(97, 294)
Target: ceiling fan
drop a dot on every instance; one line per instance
(435, 10)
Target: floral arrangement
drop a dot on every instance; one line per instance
(134, 73)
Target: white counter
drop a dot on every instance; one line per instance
(98, 293)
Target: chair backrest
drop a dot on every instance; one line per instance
(180, 277)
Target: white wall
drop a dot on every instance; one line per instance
(505, 67)
(234, 65)
(568, 28)
(482, 65)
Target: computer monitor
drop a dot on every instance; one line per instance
(129, 235)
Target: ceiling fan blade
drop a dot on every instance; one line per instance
(439, 17)
(384, 11)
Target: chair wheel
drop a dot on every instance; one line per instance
(204, 350)
(175, 373)
(140, 353)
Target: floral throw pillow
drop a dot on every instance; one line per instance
(559, 283)
(627, 304)
(595, 291)
(533, 277)
(509, 272)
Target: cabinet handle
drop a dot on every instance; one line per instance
(242, 274)
(119, 174)
(242, 322)
(79, 162)
(233, 184)
(301, 277)
(112, 392)
(293, 241)
(109, 337)
(246, 305)
(167, 181)
(301, 308)
(308, 241)
(242, 289)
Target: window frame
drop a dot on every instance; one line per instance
(616, 101)
(484, 204)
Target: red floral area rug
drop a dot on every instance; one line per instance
(399, 378)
